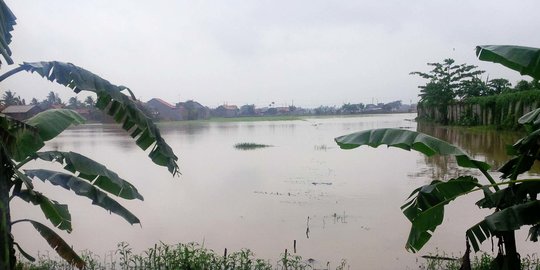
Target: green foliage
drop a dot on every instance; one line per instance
(425, 209)
(525, 60)
(7, 21)
(514, 206)
(447, 81)
(123, 108)
(409, 140)
(20, 142)
(182, 256)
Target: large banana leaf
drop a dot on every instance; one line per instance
(508, 219)
(57, 213)
(57, 243)
(426, 209)
(47, 125)
(512, 218)
(525, 60)
(7, 21)
(517, 210)
(83, 188)
(94, 172)
(409, 140)
(123, 108)
(478, 234)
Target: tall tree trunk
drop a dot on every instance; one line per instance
(7, 252)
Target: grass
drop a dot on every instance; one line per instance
(250, 146)
(478, 262)
(179, 256)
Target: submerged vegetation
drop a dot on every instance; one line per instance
(180, 256)
(250, 146)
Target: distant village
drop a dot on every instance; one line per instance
(161, 110)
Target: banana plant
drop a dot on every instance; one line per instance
(514, 199)
(21, 142)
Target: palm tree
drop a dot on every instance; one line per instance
(10, 98)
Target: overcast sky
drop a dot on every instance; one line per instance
(309, 52)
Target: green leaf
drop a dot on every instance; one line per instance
(525, 60)
(58, 244)
(478, 234)
(426, 210)
(24, 253)
(409, 140)
(94, 172)
(12, 131)
(51, 123)
(47, 124)
(123, 108)
(57, 213)
(7, 21)
(513, 217)
(83, 188)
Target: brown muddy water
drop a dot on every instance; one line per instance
(337, 204)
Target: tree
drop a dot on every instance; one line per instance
(10, 98)
(20, 143)
(498, 86)
(349, 108)
(53, 98)
(34, 101)
(474, 87)
(523, 85)
(446, 81)
(74, 103)
(89, 102)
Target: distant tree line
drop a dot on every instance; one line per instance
(53, 100)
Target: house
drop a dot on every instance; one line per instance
(21, 112)
(163, 110)
(226, 111)
(193, 110)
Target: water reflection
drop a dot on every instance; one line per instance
(486, 145)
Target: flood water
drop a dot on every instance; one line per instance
(337, 204)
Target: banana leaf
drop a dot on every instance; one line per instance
(425, 211)
(83, 188)
(94, 172)
(525, 60)
(57, 243)
(57, 213)
(46, 125)
(7, 21)
(124, 109)
(409, 140)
